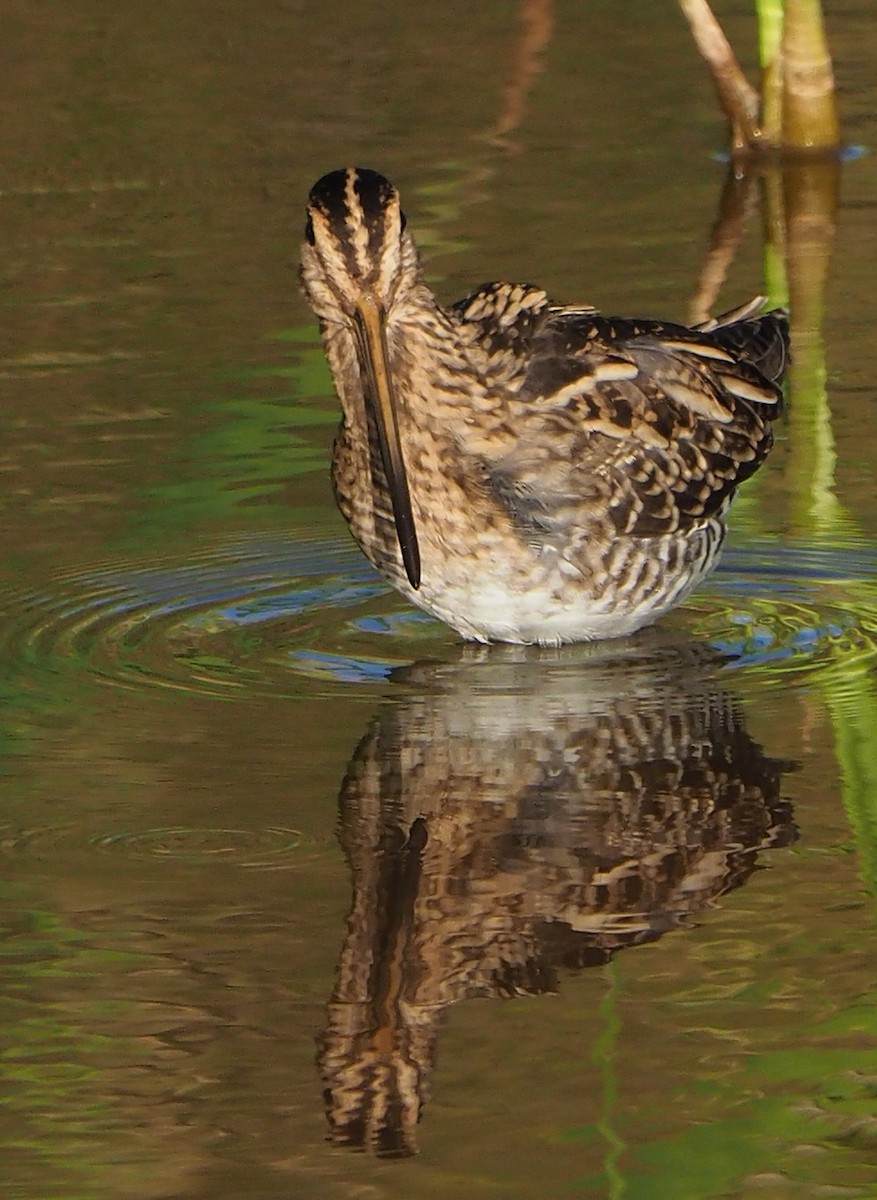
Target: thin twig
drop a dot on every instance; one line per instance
(737, 96)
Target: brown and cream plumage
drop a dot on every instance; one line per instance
(510, 818)
(524, 471)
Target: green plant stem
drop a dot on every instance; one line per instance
(771, 16)
(809, 117)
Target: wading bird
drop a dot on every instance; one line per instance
(527, 472)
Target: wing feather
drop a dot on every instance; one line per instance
(651, 425)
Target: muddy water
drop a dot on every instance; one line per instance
(283, 867)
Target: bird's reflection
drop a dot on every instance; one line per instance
(515, 812)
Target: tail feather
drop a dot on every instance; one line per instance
(761, 340)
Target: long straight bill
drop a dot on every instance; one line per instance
(379, 394)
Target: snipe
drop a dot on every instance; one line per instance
(524, 471)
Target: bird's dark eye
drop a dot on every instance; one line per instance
(309, 231)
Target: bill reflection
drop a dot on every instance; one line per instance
(515, 814)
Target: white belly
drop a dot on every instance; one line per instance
(555, 605)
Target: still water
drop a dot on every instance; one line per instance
(299, 896)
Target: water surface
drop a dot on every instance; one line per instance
(299, 895)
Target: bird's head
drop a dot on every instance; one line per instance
(356, 247)
(357, 260)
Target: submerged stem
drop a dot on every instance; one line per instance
(796, 110)
(771, 19)
(737, 96)
(810, 119)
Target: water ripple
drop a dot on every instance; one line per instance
(794, 609)
(230, 618)
(270, 849)
(260, 849)
(272, 616)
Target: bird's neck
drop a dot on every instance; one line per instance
(426, 360)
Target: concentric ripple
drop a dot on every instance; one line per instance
(795, 608)
(271, 849)
(249, 614)
(261, 849)
(261, 615)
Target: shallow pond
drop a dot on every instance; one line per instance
(299, 895)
